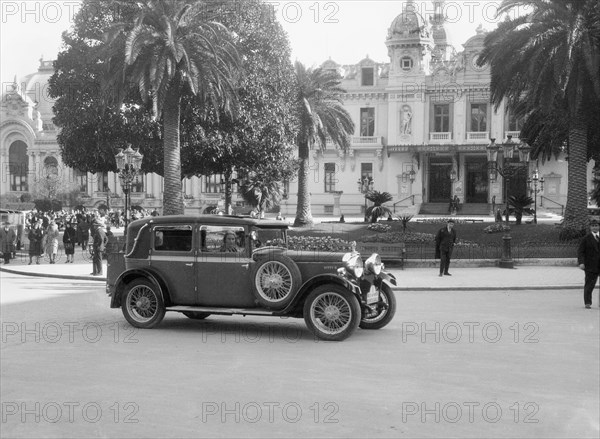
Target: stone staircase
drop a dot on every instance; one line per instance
(469, 209)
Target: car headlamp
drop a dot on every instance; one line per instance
(373, 264)
(353, 263)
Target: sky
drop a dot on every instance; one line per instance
(343, 30)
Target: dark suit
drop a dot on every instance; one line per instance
(444, 242)
(100, 241)
(588, 254)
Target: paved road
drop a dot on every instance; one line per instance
(452, 364)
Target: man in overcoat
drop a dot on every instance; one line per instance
(99, 245)
(8, 237)
(444, 243)
(588, 258)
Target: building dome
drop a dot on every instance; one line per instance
(35, 87)
(409, 24)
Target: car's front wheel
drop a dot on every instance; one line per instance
(332, 312)
(143, 306)
(380, 314)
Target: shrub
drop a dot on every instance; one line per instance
(321, 243)
(496, 228)
(568, 234)
(377, 227)
(405, 219)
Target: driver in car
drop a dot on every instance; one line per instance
(229, 243)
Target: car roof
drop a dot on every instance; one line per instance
(226, 220)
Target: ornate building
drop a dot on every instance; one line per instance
(31, 161)
(423, 122)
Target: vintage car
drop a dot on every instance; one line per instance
(211, 264)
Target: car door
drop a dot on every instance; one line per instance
(172, 256)
(223, 275)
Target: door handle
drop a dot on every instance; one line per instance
(190, 264)
(245, 265)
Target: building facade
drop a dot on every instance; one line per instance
(423, 122)
(32, 164)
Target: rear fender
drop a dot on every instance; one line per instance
(296, 304)
(136, 273)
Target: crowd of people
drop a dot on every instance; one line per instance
(79, 228)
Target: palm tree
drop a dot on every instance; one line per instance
(173, 47)
(321, 116)
(547, 62)
(377, 210)
(519, 205)
(261, 191)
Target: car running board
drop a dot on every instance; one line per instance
(226, 311)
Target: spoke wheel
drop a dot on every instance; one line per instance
(332, 312)
(276, 281)
(143, 306)
(378, 315)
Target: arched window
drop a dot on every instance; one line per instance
(18, 166)
(50, 167)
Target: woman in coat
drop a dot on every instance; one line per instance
(69, 239)
(36, 239)
(52, 235)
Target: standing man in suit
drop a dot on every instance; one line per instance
(588, 258)
(99, 245)
(444, 243)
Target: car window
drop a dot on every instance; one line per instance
(174, 238)
(271, 237)
(222, 239)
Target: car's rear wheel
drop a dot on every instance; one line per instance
(143, 306)
(379, 315)
(332, 312)
(196, 315)
(276, 281)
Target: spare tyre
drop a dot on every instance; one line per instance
(275, 281)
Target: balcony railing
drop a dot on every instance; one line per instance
(366, 141)
(478, 135)
(514, 134)
(440, 137)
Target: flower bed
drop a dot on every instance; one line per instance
(320, 243)
(497, 228)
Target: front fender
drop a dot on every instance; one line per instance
(389, 278)
(314, 282)
(135, 273)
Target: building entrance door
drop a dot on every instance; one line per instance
(476, 180)
(440, 185)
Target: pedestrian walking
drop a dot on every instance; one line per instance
(8, 237)
(83, 229)
(52, 235)
(588, 258)
(444, 243)
(69, 239)
(99, 245)
(36, 239)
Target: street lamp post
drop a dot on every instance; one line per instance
(507, 170)
(533, 188)
(129, 163)
(365, 186)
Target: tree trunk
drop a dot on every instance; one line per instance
(172, 196)
(576, 216)
(303, 213)
(228, 194)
